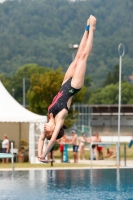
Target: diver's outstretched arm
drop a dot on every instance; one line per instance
(40, 144)
(52, 141)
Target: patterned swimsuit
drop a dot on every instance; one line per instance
(60, 100)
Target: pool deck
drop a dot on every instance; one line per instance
(96, 164)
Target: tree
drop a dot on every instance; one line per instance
(113, 77)
(87, 83)
(40, 31)
(127, 93)
(24, 72)
(7, 82)
(110, 93)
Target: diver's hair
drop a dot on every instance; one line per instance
(61, 132)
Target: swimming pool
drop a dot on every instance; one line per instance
(67, 184)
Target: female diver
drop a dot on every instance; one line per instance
(72, 83)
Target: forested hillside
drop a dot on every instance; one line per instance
(40, 31)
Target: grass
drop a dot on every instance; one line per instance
(57, 165)
(27, 165)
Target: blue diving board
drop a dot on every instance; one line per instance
(9, 155)
(6, 155)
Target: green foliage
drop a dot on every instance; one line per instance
(39, 32)
(113, 76)
(43, 89)
(127, 93)
(7, 82)
(25, 72)
(109, 94)
(15, 82)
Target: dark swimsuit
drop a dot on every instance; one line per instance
(60, 100)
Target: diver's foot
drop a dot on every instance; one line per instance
(92, 21)
(43, 160)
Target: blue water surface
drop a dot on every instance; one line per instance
(67, 184)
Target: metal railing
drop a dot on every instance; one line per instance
(108, 144)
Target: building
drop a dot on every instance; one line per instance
(104, 119)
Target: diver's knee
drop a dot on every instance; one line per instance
(83, 56)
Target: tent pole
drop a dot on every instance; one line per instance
(19, 135)
(12, 156)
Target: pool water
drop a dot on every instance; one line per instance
(67, 184)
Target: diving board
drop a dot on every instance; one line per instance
(9, 155)
(6, 155)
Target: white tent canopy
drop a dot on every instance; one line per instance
(12, 112)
